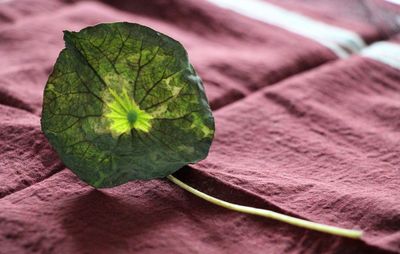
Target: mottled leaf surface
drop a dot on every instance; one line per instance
(124, 103)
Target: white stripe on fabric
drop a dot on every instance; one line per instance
(384, 52)
(393, 1)
(339, 40)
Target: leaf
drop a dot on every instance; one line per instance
(124, 103)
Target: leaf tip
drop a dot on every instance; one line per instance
(68, 35)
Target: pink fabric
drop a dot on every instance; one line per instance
(321, 145)
(26, 157)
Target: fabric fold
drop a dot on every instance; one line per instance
(233, 53)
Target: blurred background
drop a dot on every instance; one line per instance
(236, 46)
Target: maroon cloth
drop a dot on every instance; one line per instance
(321, 145)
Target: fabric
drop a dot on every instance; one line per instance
(300, 129)
(326, 148)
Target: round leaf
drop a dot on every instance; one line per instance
(124, 103)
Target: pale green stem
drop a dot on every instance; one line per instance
(355, 234)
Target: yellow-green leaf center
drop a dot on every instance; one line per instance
(125, 114)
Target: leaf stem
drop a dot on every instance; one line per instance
(355, 234)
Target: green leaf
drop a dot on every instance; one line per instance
(124, 103)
